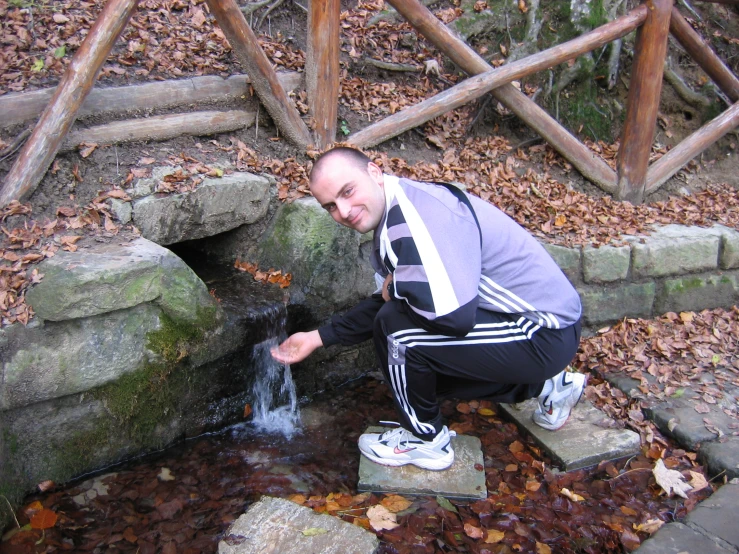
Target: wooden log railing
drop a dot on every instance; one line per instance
(427, 24)
(653, 19)
(43, 144)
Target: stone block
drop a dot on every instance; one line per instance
(717, 515)
(729, 258)
(606, 304)
(123, 211)
(697, 292)
(568, 260)
(111, 277)
(58, 359)
(605, 264)
(586, 439)
(677, 418)
(215, 206)
(722, 457)
(278, 526)
(465, 479)
(674, 250)
(676, 538)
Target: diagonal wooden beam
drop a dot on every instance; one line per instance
(43, 144)
(645, 88)
(322, 68)
(704, 55)
(690, 147)
(263, 76)
(589, 164)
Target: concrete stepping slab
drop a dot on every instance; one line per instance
(716, 515)
(278, 526)
(586, 439)
(676, 538)
(465, 479)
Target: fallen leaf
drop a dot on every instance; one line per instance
(381, 518)
(571, 495)
(44, 519)
(494, 536)
(444, 503)
(313, 531)
(487, 412)
(516, 446)
(701, 408)
(670, 480)
(297, 498)
(396, 503)
(472, 531)
(649, 526)
(165, 475)
(542, 548)
(697, 481)
(247, 410)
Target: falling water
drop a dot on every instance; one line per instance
(275, 402)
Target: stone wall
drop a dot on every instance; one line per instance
(676, 268)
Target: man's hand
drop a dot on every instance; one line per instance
(297, 347)
(385, 293)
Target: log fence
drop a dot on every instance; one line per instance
(653, 20)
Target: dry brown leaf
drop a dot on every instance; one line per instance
(571, 495)
(494, 536)
(472, 531)
(396, 503)
(381, 518)
(669, 480)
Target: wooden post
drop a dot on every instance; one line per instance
(690, 147)
(645, 89)
(704, 55)
(322, 68)
(263, 76)
(59, 115)
(591, 166)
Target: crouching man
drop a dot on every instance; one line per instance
(470, 306)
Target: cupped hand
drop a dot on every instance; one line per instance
(297, 347)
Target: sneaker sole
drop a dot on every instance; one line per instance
(433, 465)
(550, 427)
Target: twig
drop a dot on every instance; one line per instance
(527, 143)
(272, 6)
(390, 66)
(12, 512)
(301, 6)
(480, 111)
(15, 145)
(254, 6)
(683, 90)
(691, 10)
(625, 472)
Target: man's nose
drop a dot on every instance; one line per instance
(343, 208)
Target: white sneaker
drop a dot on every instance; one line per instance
(560, 394)
(399, 447)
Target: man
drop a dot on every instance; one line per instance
(471, 306)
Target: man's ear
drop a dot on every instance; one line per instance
(375, 172)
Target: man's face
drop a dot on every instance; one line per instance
(353, 196)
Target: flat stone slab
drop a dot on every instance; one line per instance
(465, 479)
(716, 515)
(676, 538)
(584, 441)
(278, 526)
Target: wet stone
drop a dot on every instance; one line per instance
(676, 538)
(716, 516)
(278, 526)
(722, 457)
(588, 437)
(465, 479)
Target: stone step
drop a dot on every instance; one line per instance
(465, 479)
(278, 526)
(585, 440)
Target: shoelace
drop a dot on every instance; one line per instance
(403, 435)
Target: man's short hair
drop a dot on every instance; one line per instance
(351, 156)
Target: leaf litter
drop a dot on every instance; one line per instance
(212, 480)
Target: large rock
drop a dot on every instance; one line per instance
(215, 206)
(674, 250)
(277, 526)
(112, 277)
(329, 263)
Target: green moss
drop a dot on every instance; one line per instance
(583, 111)
(80, 453)
(11, 439)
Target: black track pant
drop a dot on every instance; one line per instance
(505, 358)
